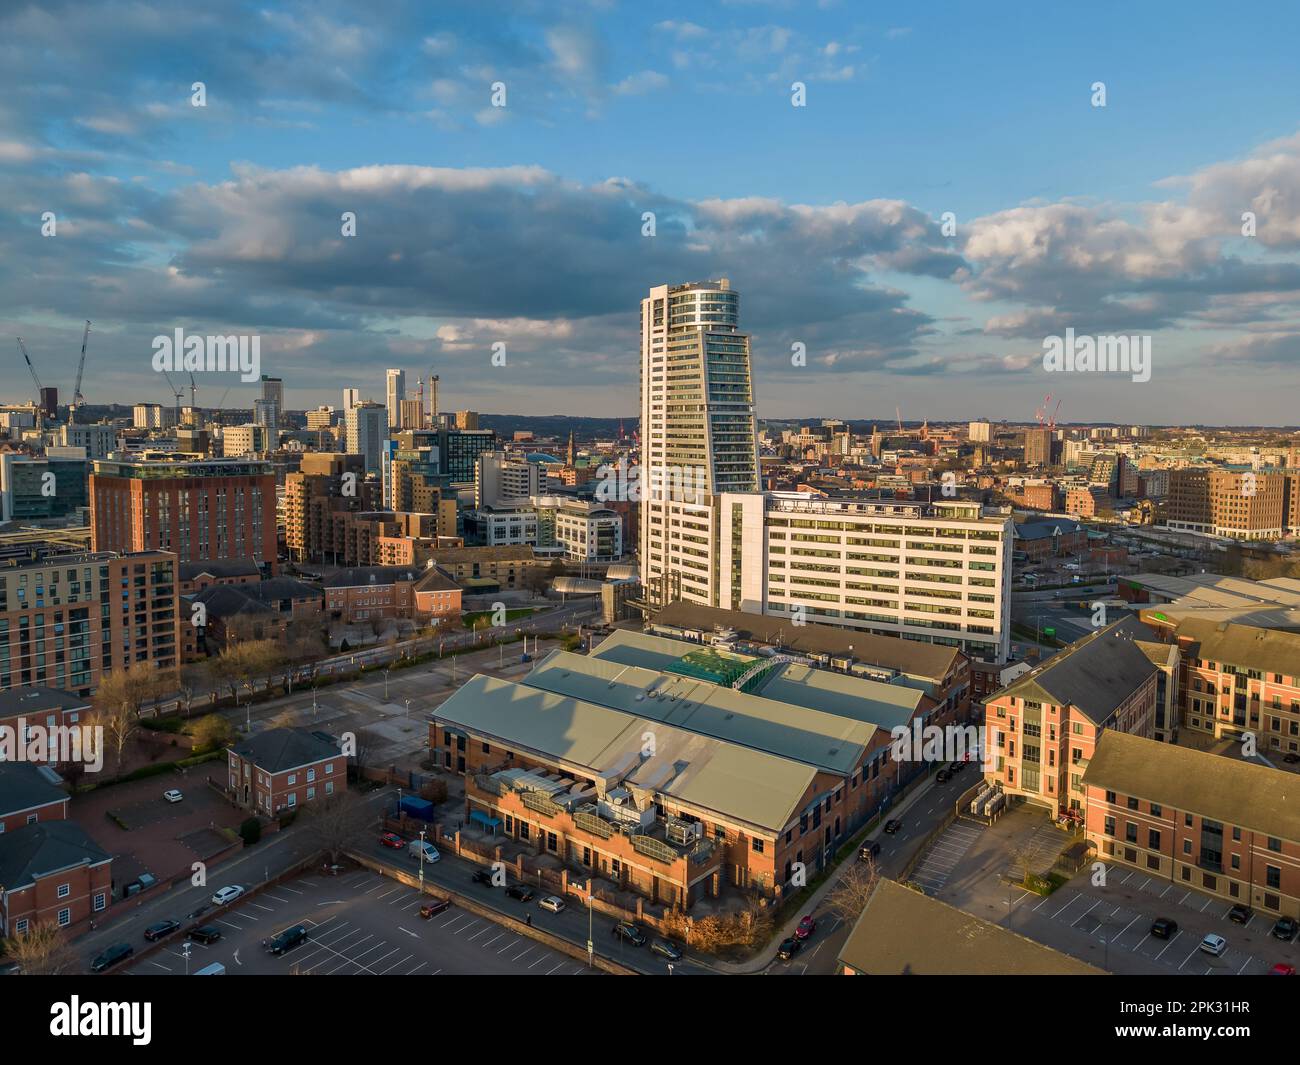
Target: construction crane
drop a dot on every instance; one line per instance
(1041, 412)
(194, 400)
(40, 389)
(898, 413)
(178, 393)
(77, 398)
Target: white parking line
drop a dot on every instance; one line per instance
(1169, 944)
(1195, 951)
(508, 946)
(1067, 906)
(553, 970)
(419, 967)
(486, 928)
(493, 940)
(1245, 963)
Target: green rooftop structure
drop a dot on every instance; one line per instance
(707, 663)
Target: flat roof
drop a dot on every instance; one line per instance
(904, 933)
(736, 782)
(1211, 785)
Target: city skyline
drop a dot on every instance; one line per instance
(521, 226)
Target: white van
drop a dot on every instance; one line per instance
(415, 847)
(215, 969)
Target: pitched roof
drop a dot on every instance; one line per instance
(434, 580)
(904, 933)
(930, 660)
(219, 567)
(1224, 789)
(728, 779)
(260, 597)
(35, 851)
(1267, 650)
(279, 749)
(365, 576)
(1095, 674)
(38, 700)
(24, 786)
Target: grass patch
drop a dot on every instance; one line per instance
(511, 615)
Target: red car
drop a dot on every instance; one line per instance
(1282, 969)
(392, 839)
(806, 928)
(432, 909)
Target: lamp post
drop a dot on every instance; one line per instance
(408, 708)
(591, 945)
(386, 672)
(422, 860)
(186, 947)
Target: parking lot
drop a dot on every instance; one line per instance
(359, 924)
(1111, 926)
(944, 855)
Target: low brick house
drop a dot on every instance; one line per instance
(51, 872)
(284, 768)
(29, 794)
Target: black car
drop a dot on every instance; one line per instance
(892, 826)
(195, 914)
(522, 892)
(869, 851)
(114, 954)
(629, 933)
(666, 948)
(943, 776)
(482, 876)
(789, 948)
(1290, 758)
(286, 940)
(1285, 929)
(1164, 928)
(161, 929)
(207, 933)
(1239, 914)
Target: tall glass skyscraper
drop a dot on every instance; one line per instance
(698, 432)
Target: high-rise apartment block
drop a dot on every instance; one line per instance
(1240, 504)
(980, 432)
(200, 510)
(367, 429)
(394, 393)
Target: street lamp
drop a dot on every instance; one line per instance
(591, 944)
(186, 947)
(408, 708)
(421, 858)
(386, 671)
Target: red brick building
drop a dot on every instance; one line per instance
(199, 510)
(1046, 723)
(1206, 821)
(51, 872)
(28, 795)
(285, 768)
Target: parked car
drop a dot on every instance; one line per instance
(118, 952)
(1213, 944)
(206, 933)
(482, 876)
(215, 969)
(806, 928)
(869, 850)
(198, 911)
(892, 826)
(788, 948)
(392, 839)
(629, 933)
(1290, 758)
(432, 909)
(162, 928)
(1164, 928)
(286, 940)
(226, 895)
(553, 903)
(1240, 914)
(1282, 969)
(1285, 929)
(522, 892)
(943, 776)
(173, 795)
(666, 948)
(420, 847)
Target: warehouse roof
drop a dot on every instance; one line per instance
(761, 789)
(904, 933)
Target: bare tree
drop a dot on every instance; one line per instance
(852, 891)
(336, 822)
(43, 950)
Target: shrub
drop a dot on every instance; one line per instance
(250, 831)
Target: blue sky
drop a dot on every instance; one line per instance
(522, 224)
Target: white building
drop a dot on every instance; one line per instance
(501, 479)
(980, 432)
(698, 432)
(394, 393)
(98, 439)
(367, 429)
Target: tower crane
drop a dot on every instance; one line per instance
(39, 387)
(77, 398)
(178, 393)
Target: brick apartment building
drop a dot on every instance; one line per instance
(1215, 823)
(285, 768)
(1046, 723)
(196, 576)
(325, 486)
(51, 872)
(199, 510)
(1050, 538)
(1250, 505)
(66, 619)
(40, 706)
(256, 610)
(1238, 679)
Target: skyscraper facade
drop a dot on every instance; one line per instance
(394, 393)
(367, 429)
(698, 432)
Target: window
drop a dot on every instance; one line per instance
(293, 798)
(1153, 839)
(1156, 809)
(99, 902)
(65, 918)
(756, 844)
(293, 779)
(65, 890)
